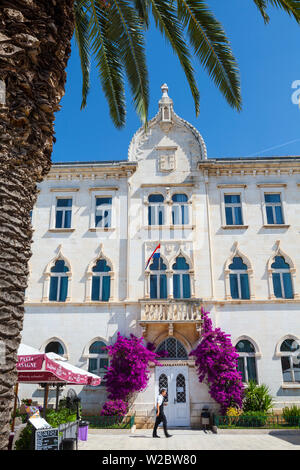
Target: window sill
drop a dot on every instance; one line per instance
(169, 227)
(58, 230)
(276, 226)
(290, 385)
(235, 227)
(101, 229)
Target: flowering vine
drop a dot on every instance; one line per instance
(216, 361)
(128, 372)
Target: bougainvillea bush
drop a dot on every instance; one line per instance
(128, 371)
(114, 408)
(216, 361)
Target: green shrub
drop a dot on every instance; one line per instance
(64, 415)
(292, 415)
(257, 398)
(252, 419)
(24, 441)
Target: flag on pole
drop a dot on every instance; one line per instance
(155, 254)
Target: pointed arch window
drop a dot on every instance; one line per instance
(239, 279)
(282, 280)
(58, 282)
(101, 281)
(246, 360)
(98, 358)
(290, 355)
(158, 279)
(180, 209)
(156, 209)
(181, 279)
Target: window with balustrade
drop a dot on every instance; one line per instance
(158, 279)
(181, 279)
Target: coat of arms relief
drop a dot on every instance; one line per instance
(167, 159)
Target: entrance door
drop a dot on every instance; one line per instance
(175, 380)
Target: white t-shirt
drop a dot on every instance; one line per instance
(159, 400)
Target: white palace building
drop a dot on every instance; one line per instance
(228, 230)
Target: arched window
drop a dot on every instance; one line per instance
(58, 282)
(98, 358)
(180, 389)
(174, 348)
(180, 209)
(163, 383)
(246, 360)
(55, 347)
(156, 209)
(282, 280)
(101, 281)
(158, 279)
(239, 280)
(290, 360)
(181, 279)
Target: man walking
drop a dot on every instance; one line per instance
(160, 415)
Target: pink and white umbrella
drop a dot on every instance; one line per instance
(36, 367)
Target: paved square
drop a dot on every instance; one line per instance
(189, 440)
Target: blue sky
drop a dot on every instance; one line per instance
(269, 123)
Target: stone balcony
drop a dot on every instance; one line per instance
(170, 311)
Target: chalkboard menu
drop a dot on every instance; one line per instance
(46, 439)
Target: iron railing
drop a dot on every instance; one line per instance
(259, 421)
(110, 422)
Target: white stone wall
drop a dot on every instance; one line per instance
(129, 243)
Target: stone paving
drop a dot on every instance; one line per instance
(190, 440)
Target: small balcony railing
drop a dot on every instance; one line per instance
(171, 311)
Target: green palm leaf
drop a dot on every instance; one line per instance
(127, 30)
(212, 47)
(107, 56)
(292, 7)
(83, 43)
(165, 17)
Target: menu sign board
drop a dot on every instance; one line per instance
(46, 439)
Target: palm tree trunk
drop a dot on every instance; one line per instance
(35, 40)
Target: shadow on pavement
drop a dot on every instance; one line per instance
(292, 438)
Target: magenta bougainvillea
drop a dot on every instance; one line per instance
(114, 408)
(216, 362)
(128, 371)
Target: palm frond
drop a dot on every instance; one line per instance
(83, 42)
(292, 7)
(142, 8)
(108, 62)
(212, 48)
(127, 30)
(166, 20)
(262, 6)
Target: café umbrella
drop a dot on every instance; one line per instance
(36, 367)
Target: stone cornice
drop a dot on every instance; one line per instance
(91, 170)
(251, 166)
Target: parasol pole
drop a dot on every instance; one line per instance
(45, 399)
(15, 407)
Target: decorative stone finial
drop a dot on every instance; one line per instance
(165, 89)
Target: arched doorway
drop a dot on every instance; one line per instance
(174, 377)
